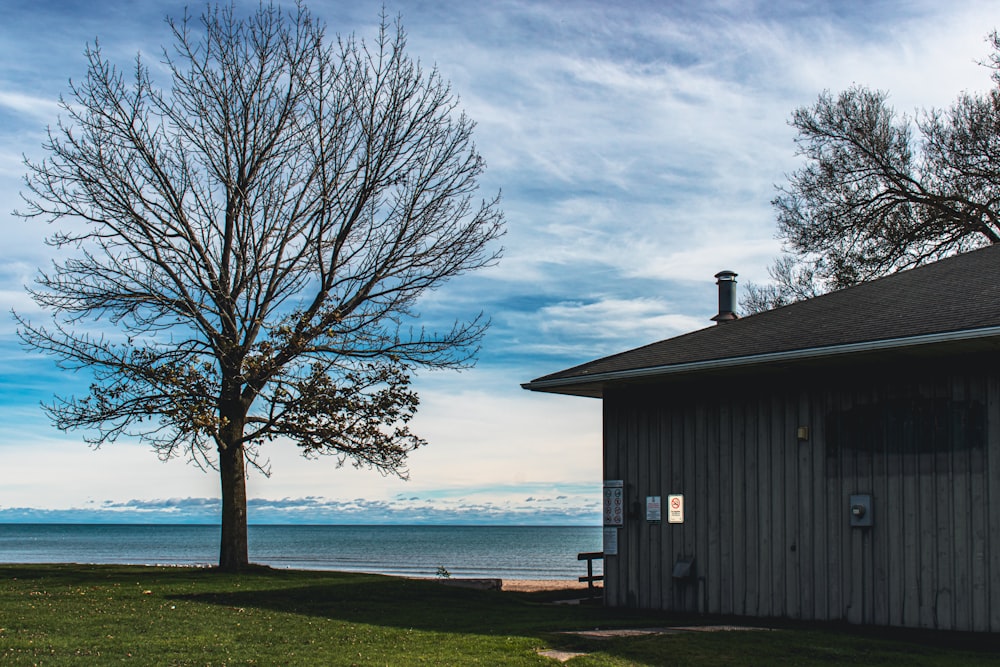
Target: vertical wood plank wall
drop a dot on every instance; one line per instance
(767, 516)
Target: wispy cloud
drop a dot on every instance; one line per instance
(38, 108)
(580, 329)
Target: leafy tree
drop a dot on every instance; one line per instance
(882, 192)
(259, 232)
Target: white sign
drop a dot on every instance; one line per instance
(653, 512)
(675, 508)
(610, 541)
(614, 502)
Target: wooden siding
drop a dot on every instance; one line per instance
(766, 515)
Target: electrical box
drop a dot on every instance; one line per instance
(861, 510)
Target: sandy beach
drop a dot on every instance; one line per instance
(533, 585)
(513, 585)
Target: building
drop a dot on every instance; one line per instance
(837, 458)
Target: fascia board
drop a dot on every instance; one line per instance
(765, 358)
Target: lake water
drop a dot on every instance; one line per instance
(505, 552)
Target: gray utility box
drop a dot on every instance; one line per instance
(861, 510)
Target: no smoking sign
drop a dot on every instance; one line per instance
(675, 508)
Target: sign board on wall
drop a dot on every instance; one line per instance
(614, 502)
(610, 541)
(675, 508)
(653, 510)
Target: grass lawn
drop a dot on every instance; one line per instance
(73, 614)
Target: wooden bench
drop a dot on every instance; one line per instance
(590, 558)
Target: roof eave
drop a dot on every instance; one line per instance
(591, 385)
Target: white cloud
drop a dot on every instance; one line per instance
(486, 449)
(49, 472)
(613, 320)
(40, 109)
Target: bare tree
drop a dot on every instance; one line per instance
(882, 192)
(259, 234)
(792, 281)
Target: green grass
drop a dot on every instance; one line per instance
(70, 614)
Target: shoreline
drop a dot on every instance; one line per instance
(512, 585)
(535, 585)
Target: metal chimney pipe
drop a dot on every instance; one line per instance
(727, 297)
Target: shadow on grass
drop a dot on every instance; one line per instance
(416, 604)
(429, 606)
(426, 605)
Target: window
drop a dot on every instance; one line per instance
(908, 427)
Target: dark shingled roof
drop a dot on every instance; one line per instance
(957, 294)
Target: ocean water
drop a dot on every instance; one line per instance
(505, 552)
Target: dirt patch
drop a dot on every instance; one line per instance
(561, 656)
(639, 632)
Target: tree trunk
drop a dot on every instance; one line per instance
(233, 554)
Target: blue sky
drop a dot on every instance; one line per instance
(637, 146)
